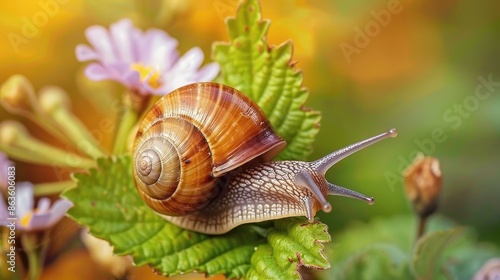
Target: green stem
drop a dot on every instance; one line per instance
(135, 103)
(127, 121)
(44, 122)
(35, 252)
(5, 247)
(421, 226)
(34, 265)
(77, 133)
(48, 126)
(52, 188)
(33, 150)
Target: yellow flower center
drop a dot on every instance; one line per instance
(145, 71)
(26, 218)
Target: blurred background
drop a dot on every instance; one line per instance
(419, 66)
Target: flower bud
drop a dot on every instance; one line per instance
(11, 132)
(423, 181)
(53, 98)
(17, 96)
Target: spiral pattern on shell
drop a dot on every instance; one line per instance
(192, 136)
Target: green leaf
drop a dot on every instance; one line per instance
(267, 75)
(378, 261)
(380, 249)
(106, 201)
(385, 248)
(429, 251)
(265, 266)
(292, 243)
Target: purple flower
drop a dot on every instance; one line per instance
(29, 218)
(144, 61)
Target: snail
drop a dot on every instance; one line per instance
(202, 160)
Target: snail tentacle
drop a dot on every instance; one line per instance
(323, 164)
(309, 208)
(341, 191)
(305, 179)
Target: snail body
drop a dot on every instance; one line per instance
(202, 160)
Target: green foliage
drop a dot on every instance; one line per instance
(468, 258)
(375, 251)
(429, 250)
(385, 249)
(267, 75)
(292, 243)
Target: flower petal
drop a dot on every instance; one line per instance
(37, 222)
(208, 72)
(24, 198)
(182, 73)
(116, 52)
(85, 53)
(4, 214)
(122, 37)
(159, 50)
(99, 38)
(189, 61)
(97, 72)
(43, 205)
(58, 210)
(132, 79)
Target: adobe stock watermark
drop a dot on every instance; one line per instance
(30, 26)
(453, 119)
(363, 36)
(11, 218)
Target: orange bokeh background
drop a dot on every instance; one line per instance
(413, 70)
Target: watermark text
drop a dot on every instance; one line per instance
(11, 218)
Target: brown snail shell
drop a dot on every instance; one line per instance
(202, 161)
(184, 140)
